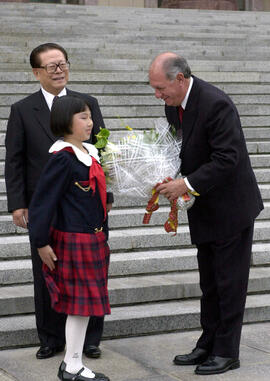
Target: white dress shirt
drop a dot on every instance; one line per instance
(183, 104)
(49, 97)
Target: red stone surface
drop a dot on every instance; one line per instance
(200, 4)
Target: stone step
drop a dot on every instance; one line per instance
(176, 27)
(256, 133)
(206, 53)
(133, 35)
(98, 90)
(134, 290)
(169, 316)
(20, 9)
(197, 41)
(260, 160)
(155, 111)
(134, 320)
(124, 239)
(127, 239)
(153, 237)
(254, 127)
(240, 19)
(140, 77)
(148, 49)
(134, 217)
(195, 18)
(2, 168)
(262, 175)
(127, 263)
(258, 136)
(149, 100)
(3, 203)
(197, 38)
(132, 23)
(131, 38)
(257, 126)
(19, 270)
(125, 64)
(131, 217)
(254, 147)
(133, 58)
(126, 202)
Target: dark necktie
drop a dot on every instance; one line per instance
(181, 110)
(179, 130)
(54, 99)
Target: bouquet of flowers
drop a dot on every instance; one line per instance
(138, 162)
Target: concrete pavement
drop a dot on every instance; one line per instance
(147, 358)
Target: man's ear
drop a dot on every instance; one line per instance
(36, 73)
(180, 77)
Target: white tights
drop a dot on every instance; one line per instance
(75, 334)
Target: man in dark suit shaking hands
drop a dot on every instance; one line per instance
(28, 140)
(216, 167)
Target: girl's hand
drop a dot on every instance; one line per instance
(47, 256)
(108, 207)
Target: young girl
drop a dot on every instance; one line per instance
(67, 222)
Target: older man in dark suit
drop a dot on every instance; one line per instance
(216, 167)
(28, 140)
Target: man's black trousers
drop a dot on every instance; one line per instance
(224, 271)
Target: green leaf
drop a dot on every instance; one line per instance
(101, 143)
(103, 133)
(150, 136)
(173, 130)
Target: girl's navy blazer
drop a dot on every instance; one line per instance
(63, 200)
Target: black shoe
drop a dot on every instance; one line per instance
(66, 376)
(216, 364)
(92, 351)
(197, 356)
(47, 352)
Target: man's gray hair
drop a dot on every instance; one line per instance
(173, 65)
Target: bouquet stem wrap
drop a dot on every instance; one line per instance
(171, 224)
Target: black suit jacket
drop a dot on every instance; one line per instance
(216, 162)
(28, 140)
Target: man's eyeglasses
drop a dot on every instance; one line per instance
(52, 67)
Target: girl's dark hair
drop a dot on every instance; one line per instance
(62, 113)
(35, 54)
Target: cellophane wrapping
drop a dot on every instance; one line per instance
(138, 161)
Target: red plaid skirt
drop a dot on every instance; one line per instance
(78, 284)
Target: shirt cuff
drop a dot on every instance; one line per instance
(191, 189)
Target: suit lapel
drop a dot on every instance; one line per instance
(42, 114)
(190, 114)
(178, 125)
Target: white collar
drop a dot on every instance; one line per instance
(49, 97)
(83, 157)
(184, 103)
